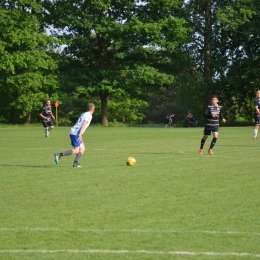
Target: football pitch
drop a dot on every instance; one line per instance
(174, 204)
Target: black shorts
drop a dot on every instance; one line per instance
(47, 124)
(209, 129)
(257, 120)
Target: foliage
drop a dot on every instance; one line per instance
(115, 123)
(241, 21)
(224, 48)
(113, 41)
(171, 54)
(26, 69)
(121, 109)
(126, 110)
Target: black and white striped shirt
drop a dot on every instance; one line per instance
(46, 112)
(257, 104)
(210, 120)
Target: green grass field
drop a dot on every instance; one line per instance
(174, 204)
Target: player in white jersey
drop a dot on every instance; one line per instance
(76, 133)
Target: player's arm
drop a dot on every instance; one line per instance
(53, 117)
(257, 109)
(207, 113)
(82, 129)
(43, 117)
(222, 117)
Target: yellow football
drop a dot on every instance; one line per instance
(130, 161)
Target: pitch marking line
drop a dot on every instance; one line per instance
(128, 231)
(94, 251)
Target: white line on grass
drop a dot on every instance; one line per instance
(128, 231)
(94, 251)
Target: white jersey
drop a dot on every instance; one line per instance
(75, 130)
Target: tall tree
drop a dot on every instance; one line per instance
(225, 50)
(241, 22)
(114, 42)
(25, 67)
(208, 47)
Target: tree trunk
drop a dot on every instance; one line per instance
(207, 50)
(104, 119)
(13, 118)
(28, 118)
(102, 65)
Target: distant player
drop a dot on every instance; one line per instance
(257, 114)
(212, 115)
(47, 116)
(76, 133)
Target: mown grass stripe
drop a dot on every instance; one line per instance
(93, 251)
(214, 232)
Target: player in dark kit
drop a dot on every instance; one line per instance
(47, 116)
(257, 114)
(212, 115)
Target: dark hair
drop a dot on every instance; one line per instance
(214, 96)
(90, 106)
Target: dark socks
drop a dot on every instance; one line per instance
(69, 152)
(213, 142)
(78, 156)
(202, 143)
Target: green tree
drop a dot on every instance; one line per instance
(238, 86)
(26, 69)
(224, 50)
(126, 110)
(114, 44)
(208, 47)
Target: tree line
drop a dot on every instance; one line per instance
(136, 60)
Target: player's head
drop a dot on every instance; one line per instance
(214, 99)
(48, 102)
(258, 93)
(91, 107)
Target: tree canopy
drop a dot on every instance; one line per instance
(26, 69)
(115, 44)
(145, 56)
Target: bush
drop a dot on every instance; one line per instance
(63, 121)
(116, 124)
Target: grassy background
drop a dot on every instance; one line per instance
(174, 204)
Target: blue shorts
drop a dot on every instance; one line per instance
(74, 141)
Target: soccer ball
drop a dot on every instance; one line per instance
(130, 161)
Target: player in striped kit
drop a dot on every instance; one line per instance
(47, 116)
(212, 114)
(257, 114)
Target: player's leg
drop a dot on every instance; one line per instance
(57, 156)
(75, 143)
(255, 132)
(50, 127)
(257, 122)
(46, 127)
(204, 138)
(79, 155)
(214, 140)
